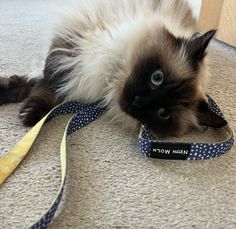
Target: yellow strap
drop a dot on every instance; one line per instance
(85, 113)
(10, 162)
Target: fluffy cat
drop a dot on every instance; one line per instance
(144, 59)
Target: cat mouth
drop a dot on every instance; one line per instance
(133, 111)
(137, 109)
(131, 107)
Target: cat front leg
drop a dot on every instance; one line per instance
(14, 89)
(40, 101)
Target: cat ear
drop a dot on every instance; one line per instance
(196, 47)
(207, 117)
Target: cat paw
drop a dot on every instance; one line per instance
(7, 83)
(8, 87)
(4, 88)
(3, 98)
(32, 111)
(14, 89)
(29, 115)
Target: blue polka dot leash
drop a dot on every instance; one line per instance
(185, 150)
(85, 114)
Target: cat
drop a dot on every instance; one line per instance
(145, 60)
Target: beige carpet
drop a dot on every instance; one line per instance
(110, 185)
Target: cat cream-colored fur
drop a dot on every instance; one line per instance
(106, 35)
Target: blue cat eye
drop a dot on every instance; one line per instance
(157, 78)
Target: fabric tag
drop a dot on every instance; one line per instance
(169, 151)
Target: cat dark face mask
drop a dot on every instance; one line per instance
(185, 150)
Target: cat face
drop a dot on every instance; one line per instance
(164, 89)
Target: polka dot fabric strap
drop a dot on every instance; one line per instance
(185, 151)
(84, 115)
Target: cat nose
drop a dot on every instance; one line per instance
(137, 102)
(141, 102)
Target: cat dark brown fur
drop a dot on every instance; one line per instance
(15, 89)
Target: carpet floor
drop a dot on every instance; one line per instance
(110, 185)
